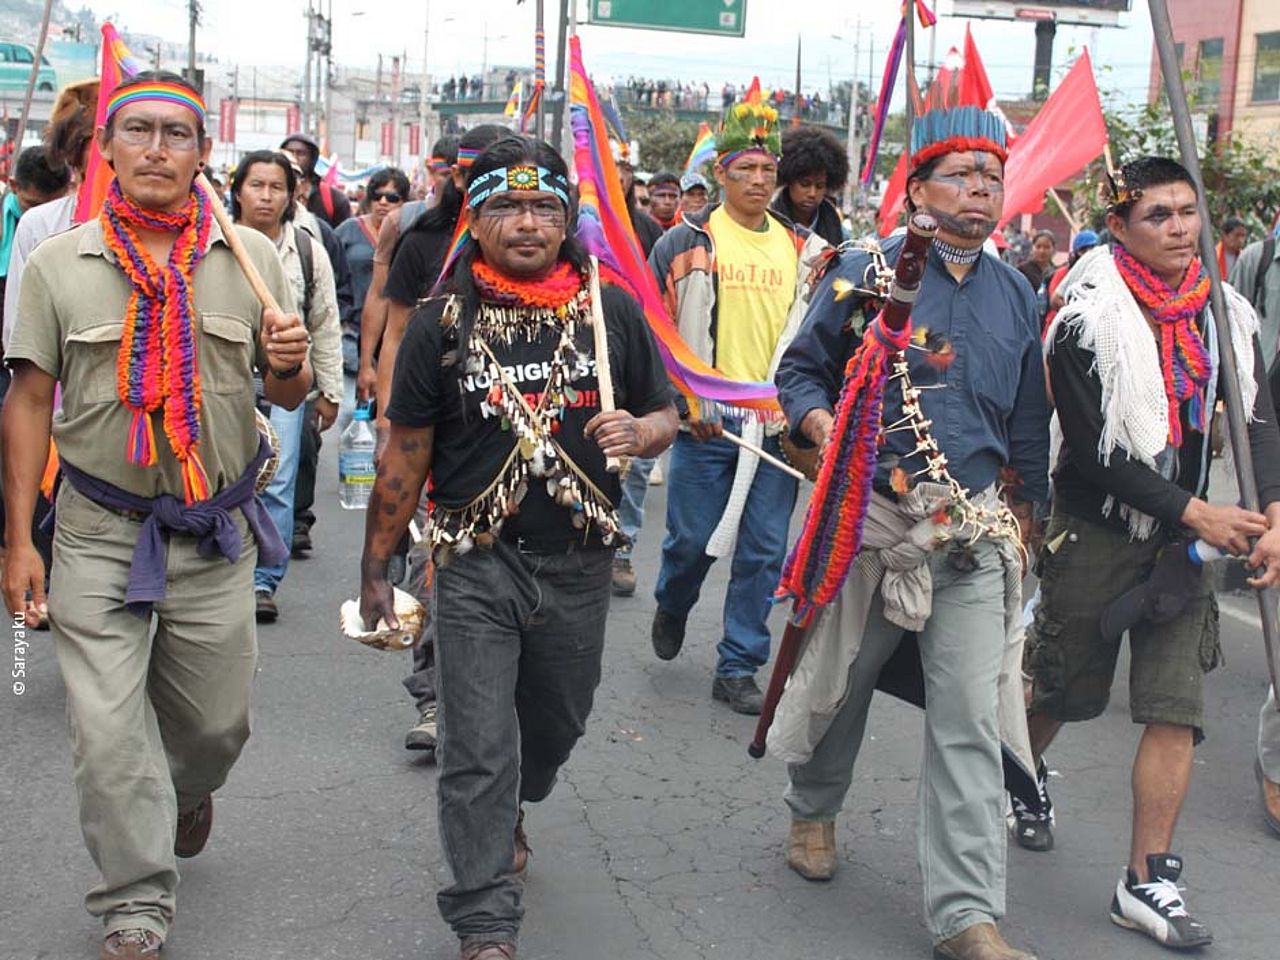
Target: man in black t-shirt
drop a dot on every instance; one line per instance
(496, 395)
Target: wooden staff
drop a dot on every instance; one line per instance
(1072, 222)
(763, 455)
(604, 378)
(229, 233)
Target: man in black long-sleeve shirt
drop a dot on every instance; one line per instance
(1133, 365)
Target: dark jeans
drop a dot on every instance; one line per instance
(304, 494)
(518, 648)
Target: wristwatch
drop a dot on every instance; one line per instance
(287, 374)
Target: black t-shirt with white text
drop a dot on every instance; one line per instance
(469, 449)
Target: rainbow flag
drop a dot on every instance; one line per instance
(704, 148)
(605, 228)
(512, 109)
(118, 64)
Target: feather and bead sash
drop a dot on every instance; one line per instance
(1184, 359)
(157, 367)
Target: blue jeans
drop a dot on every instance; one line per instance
(278, 496)
(631, 508)
(699, 478)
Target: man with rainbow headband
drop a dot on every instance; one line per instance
(497, 394)
(1133, 362)
(146, 321)
(735, 278)
(965, 414)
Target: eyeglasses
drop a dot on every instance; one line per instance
(137, 132)
(546, 211)
(390, 196)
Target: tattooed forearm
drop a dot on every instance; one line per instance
(401, 474)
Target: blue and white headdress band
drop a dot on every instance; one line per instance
(517, 179)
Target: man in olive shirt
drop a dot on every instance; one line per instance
(156, 512)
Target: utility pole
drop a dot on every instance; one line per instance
(306, 76)
(424, 94)
(193, 14)
(559, 99)
(31, 84)
(855, 150)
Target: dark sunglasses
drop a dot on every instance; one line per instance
(390, 196)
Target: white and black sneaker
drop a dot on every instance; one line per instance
(1033, 816)
(1156, 908)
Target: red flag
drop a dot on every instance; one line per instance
(975, 85)
(895, 197)
(1064, 137)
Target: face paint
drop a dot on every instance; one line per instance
(958, 226)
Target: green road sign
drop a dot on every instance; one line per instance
(725, 18)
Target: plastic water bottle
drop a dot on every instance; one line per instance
(1201, 553)
(355, 461)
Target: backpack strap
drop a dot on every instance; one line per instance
(307, 257)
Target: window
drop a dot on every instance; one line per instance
(1209, 72)
(1266, 68)
(21, 54)
(6, 54)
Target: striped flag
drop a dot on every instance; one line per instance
(118, 64)
(604, 227)
(704, 148)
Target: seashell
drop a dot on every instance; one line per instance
(411, 614)
(579, 520)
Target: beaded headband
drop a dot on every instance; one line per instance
(467, 156)
(523, 178)
(159, 90)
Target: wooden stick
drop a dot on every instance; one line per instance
(247, 266)
(604, 379)
(1075, 226)
(763, 455)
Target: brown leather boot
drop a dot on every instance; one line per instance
(193, 828)
(521, 860)
(982, 941)
(134, 944)
(811, 849)
(1270, 800)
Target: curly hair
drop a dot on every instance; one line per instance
(808, 150)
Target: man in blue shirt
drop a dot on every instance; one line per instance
(976, 387)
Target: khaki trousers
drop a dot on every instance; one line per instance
(157, 716)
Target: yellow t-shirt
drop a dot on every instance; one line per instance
(756, 284)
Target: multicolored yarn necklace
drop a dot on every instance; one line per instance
(157, 366)
(1184, 358)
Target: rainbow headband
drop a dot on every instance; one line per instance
(438, 163)
(518, 179)
(467, 156)
(729, 156)
(164, 92)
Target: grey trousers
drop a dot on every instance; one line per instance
(1269, 738)
(517, 663)
(961, 840)
(157, 718)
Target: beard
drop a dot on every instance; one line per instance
(960, 226)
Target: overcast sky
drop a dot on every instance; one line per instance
(272, 32)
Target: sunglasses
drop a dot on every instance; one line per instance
(390, 196)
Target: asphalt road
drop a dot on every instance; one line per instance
(663, 839)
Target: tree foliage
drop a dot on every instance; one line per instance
(665, 142)
(1241, 178)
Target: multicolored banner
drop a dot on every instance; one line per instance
(704, 148)
(606, 230)
(118, 64)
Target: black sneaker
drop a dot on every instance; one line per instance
(740, 693)
(1156, 908)
(422, 735)
(667, 634)
(1033, 818)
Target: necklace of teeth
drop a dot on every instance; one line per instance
(968, 519)
(537, 456)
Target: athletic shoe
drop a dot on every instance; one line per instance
(422, 735)
(1156, 908)
(1033, 822)
(624, 578)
